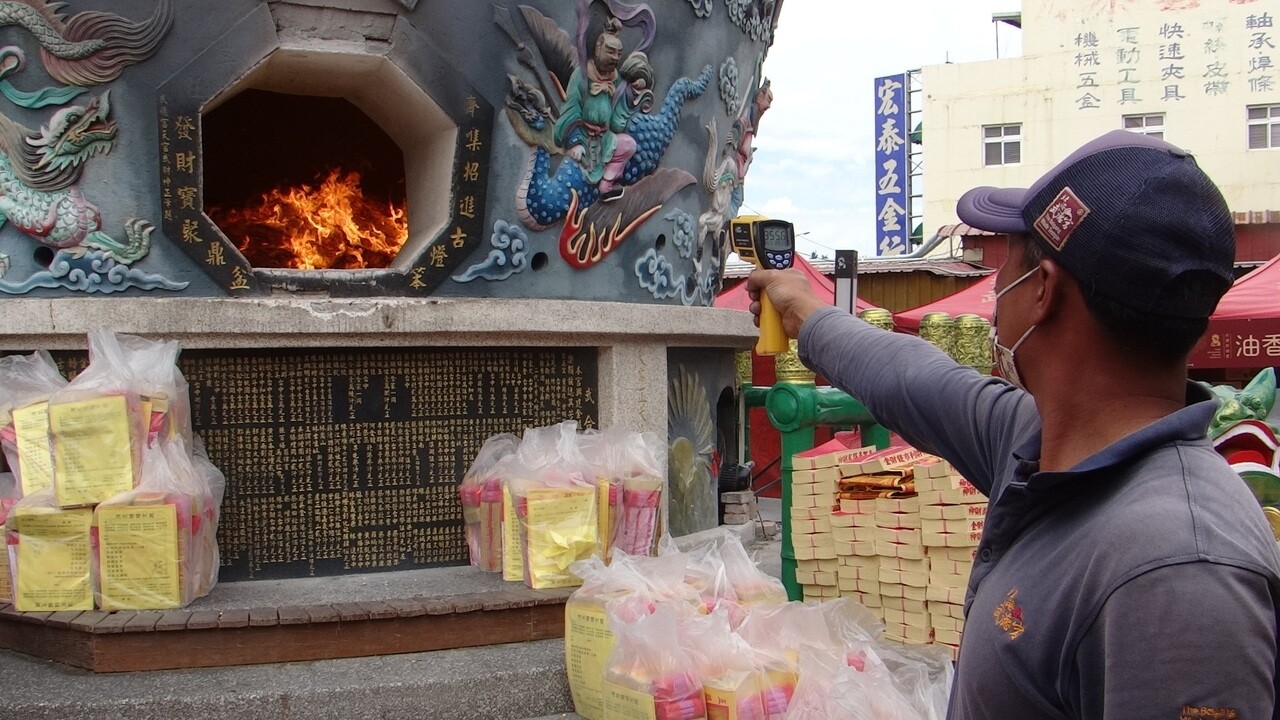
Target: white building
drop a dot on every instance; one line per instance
(1204, 74)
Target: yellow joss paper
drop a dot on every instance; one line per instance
(587, 644)
(92, 450)
(512, 554)
(604, 488)
(52, 559)
(35, 468)
(560, 529)
(139, 557)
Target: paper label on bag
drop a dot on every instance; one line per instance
(512, 555)
(561, 530)
(53, 560)
(622, 703)
(93, 457)
(587, 644)
(31, 425)
(138, 551)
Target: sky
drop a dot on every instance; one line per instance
(813, 161)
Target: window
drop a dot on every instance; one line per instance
(1152, 125)
(1264, 127)
(1001, 144)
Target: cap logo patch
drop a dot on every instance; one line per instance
(1061, 218)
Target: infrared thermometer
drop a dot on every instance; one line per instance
(771, 245)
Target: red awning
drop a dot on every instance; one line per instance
(977, 299)
(736, 298)
(1244, 332)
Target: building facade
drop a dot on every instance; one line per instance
(1202, 74)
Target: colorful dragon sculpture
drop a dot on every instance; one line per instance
(91, 47)
(38, 175)
(40, 169)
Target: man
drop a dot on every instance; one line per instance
(1125, 572)
(594, 116)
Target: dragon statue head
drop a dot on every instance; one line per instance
(529, 114)
(75, 134)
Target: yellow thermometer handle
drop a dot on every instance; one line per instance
(773, 339)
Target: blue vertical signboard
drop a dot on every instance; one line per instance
(892, 171)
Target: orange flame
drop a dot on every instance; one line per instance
(332, 226)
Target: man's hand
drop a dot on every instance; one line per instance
(576, 153)
(790, 294)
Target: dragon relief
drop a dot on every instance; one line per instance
(596, 139)
(38, 175)
(40, 169)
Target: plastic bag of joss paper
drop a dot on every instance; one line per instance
(630, 586)
(751, 585)
(648, 674)
(49, 553)
(207, 513)
(829, 689)
(97, 428)
(142, 538)
(735, 677)
(628, 471)
(481, 495)
(10, 494)
(26, 382)
(166, 395)
(840, 630)
(922, 675)
(707, 575)
(556, 510)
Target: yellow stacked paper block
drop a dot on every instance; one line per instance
(952, 515)
(903, 569)
(816, 542)
(904, 527)
(95, 449)
(558, 527)
(49, 556)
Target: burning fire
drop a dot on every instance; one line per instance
(332, 226)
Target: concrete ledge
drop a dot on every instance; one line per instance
(498, 682)
(62, 323)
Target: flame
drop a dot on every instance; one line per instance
(332, 226)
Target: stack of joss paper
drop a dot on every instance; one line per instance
(628, 470)
(534, 505)
(129, 520)
(695, 582)
(481, 492)
(900, 538)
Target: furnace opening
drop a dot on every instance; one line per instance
(304, 182)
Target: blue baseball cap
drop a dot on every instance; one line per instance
(1127, 215)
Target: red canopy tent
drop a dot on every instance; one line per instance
(978, 299)
(736, 298)
(1244, 332)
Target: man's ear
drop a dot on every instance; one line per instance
(1054, 284)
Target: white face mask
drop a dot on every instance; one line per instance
(1001, 356)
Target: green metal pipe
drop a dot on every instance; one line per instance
(795, 409)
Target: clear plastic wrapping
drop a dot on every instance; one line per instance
(97, 428)
(649, 675)
(49, 555)
(144, 540)
(26, 383)
(481, 495)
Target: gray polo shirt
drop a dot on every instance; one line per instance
(1142, 583)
